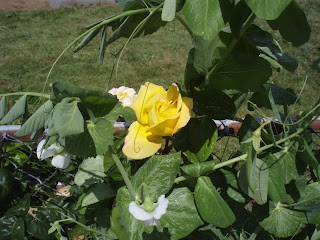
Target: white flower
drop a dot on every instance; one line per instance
(150, 218)
(125, 95)
(61, 159)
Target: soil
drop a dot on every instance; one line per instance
(23, 4)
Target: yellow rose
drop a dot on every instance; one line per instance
(159, 113)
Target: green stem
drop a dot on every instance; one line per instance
(26, 93)
(230, 48)
(184, 23)
(255, 233)
(124, 175)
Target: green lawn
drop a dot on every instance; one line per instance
(31, 41)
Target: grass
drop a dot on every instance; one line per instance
(32, 40)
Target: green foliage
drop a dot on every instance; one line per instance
(271, 183)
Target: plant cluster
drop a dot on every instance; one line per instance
(160, 179)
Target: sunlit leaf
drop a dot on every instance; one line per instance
(18, 109)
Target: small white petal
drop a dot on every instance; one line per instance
(151, 222)
(39, 148)
(61, 161)
(113, 91)
(162, 207)
(139, 213)
(50, 151)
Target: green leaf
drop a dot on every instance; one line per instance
(6, 185)
(198, 169)
(67, 118)
(37, 120)
(310, 196)
(157, 174)
(249, 125)
(199, 147)
(87, 39)
(240, 15)
(213, 103)
(205, 52)
(97, 193)
(181, 217)
(6, 227)
(251, 167)
(91, 170)
(292, 25)
(213, 209)
(81, 145)
(241, 72)
(134, 228)
(259, 181)
(276, 184)
(283, 222)
(204, 17)
(103, 44)
(168, 10)
(101, 132)
(2, 107)
(20, 208)
(288, 165)
(233, 190)
(117, 226)
(18, 109)
(308, 157)
(265, 43)
(18, 230)
(268, 9)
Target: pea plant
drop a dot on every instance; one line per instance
(160, 178)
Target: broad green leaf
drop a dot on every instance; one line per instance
(6, 227)
(67, 118)
(288, 165)
(37, 120)
(182, 216)
(18, 229)
(117, 226)
(100, 103)
(101, 132)
(310, 198)
(20, 208)
(87, 39)
(308, 157)
(6, 184)
(213, 103)
(204, 17)
(38, 227)
(240, 15)
(213, 209)
(259, 182)
(268, 9)
(198, 169)
(265, 44)
(249, 125)
(276, 185)
(2, 107)
(292, 25)
(233, 189)
(168, 10)
(134, 227)
(283, 222)
(241, 72)
(97, 193)
(18, 109)
(157, 174)
(206, 52)
(91, 170)
(199, 147)
(81, 145)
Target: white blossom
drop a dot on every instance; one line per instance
(124, 94)
(150, 218)
(60, 158)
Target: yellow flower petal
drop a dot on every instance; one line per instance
(185, 113)
(139, 143)
(165, 128)
(145, 93)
